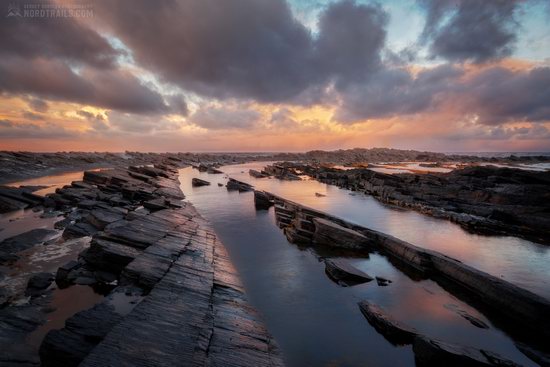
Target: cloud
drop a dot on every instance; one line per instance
(29, 115)
(351, 37)
(37, 104)
(474, 30)
(394, 92)
(54, 79)
(282, 118)
(233, 48)
(222, 118)
(478, 132)
(60, 38)
(177, 104)
(249, 49)
(500, 95)
(139, 124)
(21, 130)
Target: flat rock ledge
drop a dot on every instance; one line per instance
(177, 299)
(345, 274)
(392, 330)
(195, 315)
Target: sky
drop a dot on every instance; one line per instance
(275, 75)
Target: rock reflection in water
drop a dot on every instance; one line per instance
(314, 320)
(516, 260)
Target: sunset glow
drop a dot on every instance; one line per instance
(106, 83)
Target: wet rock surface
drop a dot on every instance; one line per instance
(38, 282)
(20, 165)
(332, 234)
(240, 186)
(11, 246)
(262, 200)
(430, 352)
(394, 331)
(173, 290)
(344, 273)
(485, 199)
(197, 182)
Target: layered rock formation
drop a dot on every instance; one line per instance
(173, 296)
(487, 199)
(524, 312)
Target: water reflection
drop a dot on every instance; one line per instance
(65, 303)
(52, 182)
(315, 321)
(519, 261)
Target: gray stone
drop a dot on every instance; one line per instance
(262, 200)
(196, 182)
(331, 234)
(428, 353)
(344, 273)
(26, 240)
(39, 282)
(392, 330)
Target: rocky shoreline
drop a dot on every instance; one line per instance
(172, 296)
(518, 311)
(486, 200)
(22, 165)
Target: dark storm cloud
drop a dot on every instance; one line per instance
(55, 80)
(475, 30)
(60, 38)
(243, 50)
(251, 49)
(495, 95)
(62, 59)
(177, 104)
(500, 95)
(394, 92)
(231, 48)
(351, 37)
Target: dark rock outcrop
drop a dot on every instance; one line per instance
(395, 332)
(39, 282)
(191, 308)
(332, 234)
(197, 182)
(11, 246)
(428, 353)
(240, 186)
(257, 174)
(262, 200)
(486, 199)
(344, 273)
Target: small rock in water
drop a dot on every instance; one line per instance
(382, 282)
(318, 194)
(38, 282)
(196, 182)
(220, 184)
(344, 273)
